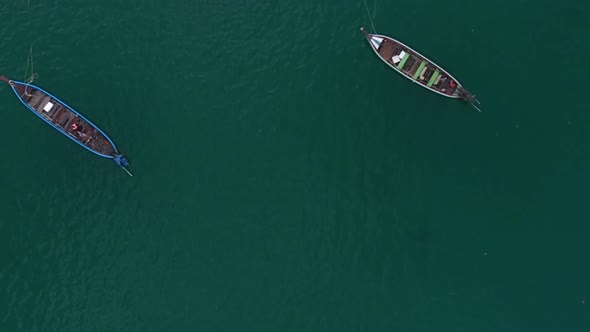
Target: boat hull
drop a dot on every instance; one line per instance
(63, 118)
(435, 78)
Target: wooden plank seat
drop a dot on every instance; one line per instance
(65, 118)
(434, 76)
(409, 64)
(40, 103)
(45, 103)
(414, 68)
(86, 129)
(419, 70)
(437, 80)
(54, 110)
(34, 101)
(405, 58)
(58, 114)
(428, 74)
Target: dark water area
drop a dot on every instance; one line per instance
(285, 179)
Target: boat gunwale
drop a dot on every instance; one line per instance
(12, 83)
(370, 35)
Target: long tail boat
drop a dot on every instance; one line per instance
(67, 121)
(417, 68)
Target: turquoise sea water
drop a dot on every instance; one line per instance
(286, 180)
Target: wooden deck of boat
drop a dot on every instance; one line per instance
(416, 67)
(66, 120)
(386, 51)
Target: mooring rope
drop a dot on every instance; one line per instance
(371, 19)
(374, 10)
(31, 64)
(30, 61)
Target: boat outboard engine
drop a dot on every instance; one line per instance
(121, 160)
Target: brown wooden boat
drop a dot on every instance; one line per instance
(66, 120)
(417, 68)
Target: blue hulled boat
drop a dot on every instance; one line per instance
(67, 121)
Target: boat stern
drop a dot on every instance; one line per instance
(121, 160)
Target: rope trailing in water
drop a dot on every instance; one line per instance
(30, 78)
(125, 169)
(477, 101)
(31, 64)
(371, 18)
